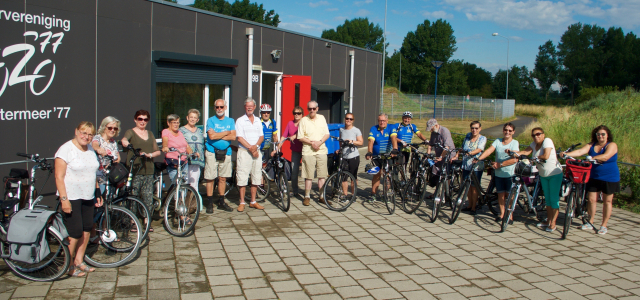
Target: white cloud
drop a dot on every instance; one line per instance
(358, 3)
(319, 3)
(363, 13)
(440, 14)
(339, 18)
(332, 9)
(309, 26)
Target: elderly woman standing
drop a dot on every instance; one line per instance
(195, 139)
(173, 138)
(474, 143)
(76, 165)
(550, 174)
(140, 137)
(291, 133)
(605, 176)
(504, 165)
(104, 144)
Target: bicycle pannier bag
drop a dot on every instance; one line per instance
(578, 171)
(117, 173)
(27, 235)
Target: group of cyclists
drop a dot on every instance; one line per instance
(81, 180)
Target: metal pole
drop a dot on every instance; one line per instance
(420, 106)
(400, 82)
(392, 105)
(507, 95)
(435, 94)
(495, 103)
(442, 107)
(384, 46)
(480, 108)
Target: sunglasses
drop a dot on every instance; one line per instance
(600, 134)
(297, 113)
(142, 119)
(508, 130)
(219, 107)
(266, 112)
(475, 128)
(349, 119)
(537, 134)
(312, 108)
(112, 128)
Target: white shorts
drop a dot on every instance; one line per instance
(214, 168)
(246, 166)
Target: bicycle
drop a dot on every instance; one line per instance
(443, 192)
(119, 231)
(486, 197)
(391, 185)
(337, 184)
(56, 263)
(182, 203)
(578, 171)
(522, 171)
(420, 165)
(13, 183)
(277, 163)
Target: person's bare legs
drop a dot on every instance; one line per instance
(607, 206)
(591, 208)
(254, 191)
(210, 188)
(82, 248)
(320, 184)
(501, 200)
(241, 191)
(307, 187)
(473, 197)
(552, 215)
(222, 185)
(375, 182)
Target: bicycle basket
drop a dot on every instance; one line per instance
(523, 169)
(578, 171)
(118, 173)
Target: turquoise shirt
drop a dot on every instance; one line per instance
(501, 156)
(226, 124)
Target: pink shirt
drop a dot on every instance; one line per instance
(175, 141)
(292, 130)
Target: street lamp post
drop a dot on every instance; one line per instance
(506, 95)
(437, 65)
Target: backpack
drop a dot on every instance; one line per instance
(27, 234)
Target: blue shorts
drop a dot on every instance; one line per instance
(503, 184)
(466, 174)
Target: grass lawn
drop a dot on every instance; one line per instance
(455, 126)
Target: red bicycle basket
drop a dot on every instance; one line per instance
(578, 171)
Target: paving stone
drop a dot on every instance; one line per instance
(163, 294)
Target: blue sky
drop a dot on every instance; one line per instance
(528, 24)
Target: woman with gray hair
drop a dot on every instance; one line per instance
(104, 144)
(195, 139)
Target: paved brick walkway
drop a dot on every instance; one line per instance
(312, 252)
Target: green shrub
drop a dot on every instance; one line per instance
(587, 94)
(630, 178)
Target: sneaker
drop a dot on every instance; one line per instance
(473, 212)
(549, 229)
(586, 227)
(466, 209)
(209, 207)
(225, 207)
(306, 201)
(372, 198)
(241, 207)
(603, 230)
(499, 219)
(256, 205)
(510, 222)
(542, 225)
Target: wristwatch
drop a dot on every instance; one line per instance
(63, 198)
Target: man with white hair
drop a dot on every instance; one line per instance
(313, 132)
(249, 161)
(221, 130)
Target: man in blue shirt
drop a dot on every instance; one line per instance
(379, 143)
(403, 134)
(221, 130)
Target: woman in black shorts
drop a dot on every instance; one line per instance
(75, 166)
(350, 155)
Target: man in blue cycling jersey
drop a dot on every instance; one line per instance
(379, 143)
(269, 129)
(403, 134)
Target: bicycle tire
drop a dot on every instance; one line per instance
(435, 202)
(283, 188)
(188, 203)
(492, 203)
(52, 267)
(389, 193)
(334, 192)
(458, 202)
(413, 195)
(138, 208)
(568, 215)
(263, 189)
(120, 251)
(509, 207)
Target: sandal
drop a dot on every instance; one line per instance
(150, 229)
(188, 222)
(586, 227)
(603, 230)
(84, 268)
(74, 272)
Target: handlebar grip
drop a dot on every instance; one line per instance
(173, 149)
(24, 155)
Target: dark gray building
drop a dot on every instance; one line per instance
(68, 61)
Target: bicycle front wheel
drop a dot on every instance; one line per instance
(120, 237)
(509, 207)
(568, 214)
(436, 200)
(389, 193)
(413, 194)
(340, 190)
(139, 209)
(181, 210)
(51, 267)
(263, 189)
(458, 201)
(283, 189)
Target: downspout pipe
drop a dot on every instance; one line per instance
(250, 63)
(352, 53)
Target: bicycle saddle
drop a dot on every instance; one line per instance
(160, 166)
(19, 173)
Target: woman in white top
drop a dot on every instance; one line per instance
(75, 166)
(550, 174)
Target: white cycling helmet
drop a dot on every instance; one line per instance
(265, 107)
(407, 114)
(370, 169)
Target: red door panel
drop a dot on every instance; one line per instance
(294, 89)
